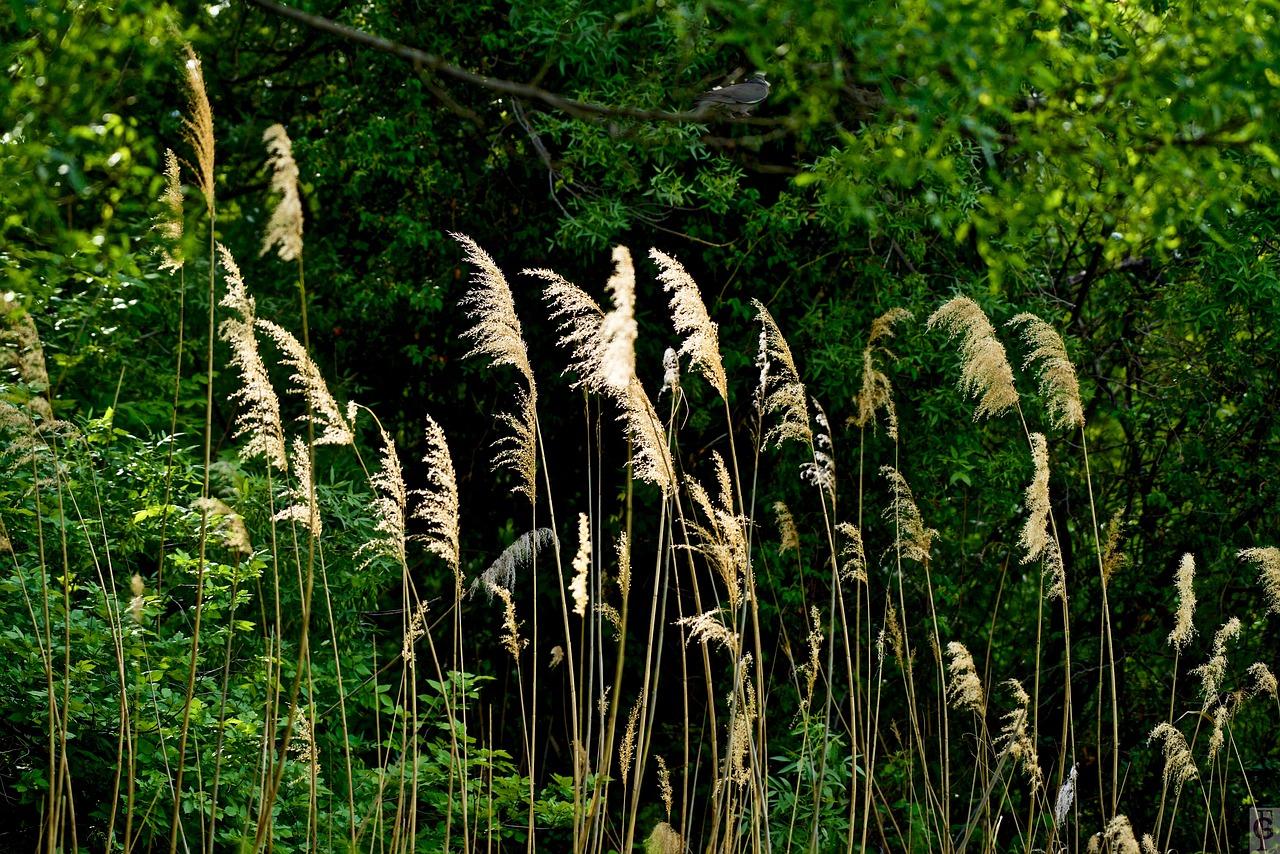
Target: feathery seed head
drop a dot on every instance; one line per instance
(521, 553)
(198, 127)
(581, 566)
(652, 458)
(689, 313)
(438, 506)
(284, 229)
(984, 367)
(781, 391)
(664, 786)
(1113, 558)
(511, 640)
(876, 392)
(1119, 834)
(670, 371)
(790, 537)
(821, 470)
(627, 750)
(1179, 766)
(259, 416)
(709, 627)
(1212, 671)
(1066, 797)
(169, 222)
(1058, 381)
(1268, 561)
(853, 565)
(618, 330)
(1056, 570)
(1184, 626)
(416, 629)
(307, 382)
(624, 564)
(1015, 738)
(964, 687)
(304, 508)
(1035, 534)
(664, 839)
(388, 505)
(911, 536)
(1264, 681)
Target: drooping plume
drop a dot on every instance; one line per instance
(304, 508)
(722, 537)
(984, 366)
(689, 314)
(876, 392)
(284, 229)
(307, 382)
(1058, 382)
(388, 504)
(912, 537)
(964, 688)
(498, 335)
(780, 391)
(259, 416)
(1268, 561)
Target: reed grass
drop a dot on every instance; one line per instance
(269, 724)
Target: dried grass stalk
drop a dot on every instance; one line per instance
(198, 126)
(876, 392)
(389, 504)
(911, 536)
(853, 566)
(324, 411)
(722, 539)
(1016, 739)
(304, 508)
(169, 223)
(964, 688)
(1179, 766)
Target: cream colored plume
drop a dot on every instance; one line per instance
(1035, 533)
(984, 366)
(198, 126)
(780, 390)
(304, 508)
(876, 392)
(498, 335)
(702, 335)
(438, 505)
(259, 415)
(307, 382)
(169, 223)
(911, 536)
(284, 229)
(388, 504)
(581, 566)
(1058, 381)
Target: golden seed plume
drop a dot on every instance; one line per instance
(557, 656)
(389, 504)
(984, 367)
(169, 222)
(651, 461)
(854, 560)
(722, 539)
(581, 566)
(897, 641)
(876, 392)
(1119, 834)
(1035, 533)
(624, 564)
(964, 688)
(439, 502)
(1264, 681)
(198, 126)
(1015, 738)
(811, 667)
(709, 627)
(226, 525)
(416, 630)
(304, 508)
(627, 751)
(689, 314)
(740, 729)
(139, 600)
(1183, 623)
(1058, 381)
(1149, 844)
(307, 382)
(1113, 558)
(664, 786)
(284, 229)
(611, 614)
(259, 417)
(780, 390)
(580, 318)
(1179, 766)
(787, 533)
(511, 640)
(1268, 561)
(1212, 671)
(498, 335)
(911, 536)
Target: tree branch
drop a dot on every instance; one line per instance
(421, 59)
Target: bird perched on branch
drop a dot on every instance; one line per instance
(739, 98)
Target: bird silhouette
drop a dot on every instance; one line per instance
(739, 98)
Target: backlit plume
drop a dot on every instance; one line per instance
(984, 366)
